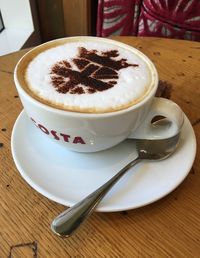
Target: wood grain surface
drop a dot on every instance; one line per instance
(169, 227)
(80, 9)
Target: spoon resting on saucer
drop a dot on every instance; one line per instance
(68, 221)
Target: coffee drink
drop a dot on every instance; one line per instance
(88, 94)
(92, 76)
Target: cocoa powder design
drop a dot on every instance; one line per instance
(95, 72)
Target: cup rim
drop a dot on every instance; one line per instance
(56, 110)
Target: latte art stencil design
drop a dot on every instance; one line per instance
(89, 76)
(94, 72)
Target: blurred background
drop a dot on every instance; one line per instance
(27, 23)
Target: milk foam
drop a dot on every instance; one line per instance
(131, 85)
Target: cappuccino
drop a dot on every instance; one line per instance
(91, 76)
(88, 94)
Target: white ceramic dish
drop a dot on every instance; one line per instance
(66, 177)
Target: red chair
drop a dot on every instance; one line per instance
(159, 18)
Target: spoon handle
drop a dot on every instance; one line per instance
(69, 220)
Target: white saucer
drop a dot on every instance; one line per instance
(66, 177)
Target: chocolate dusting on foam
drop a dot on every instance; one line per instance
(95, 72)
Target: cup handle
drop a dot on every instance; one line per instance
(170, 125)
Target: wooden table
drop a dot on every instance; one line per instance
(169, 227)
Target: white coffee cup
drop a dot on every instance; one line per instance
(91, 132)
